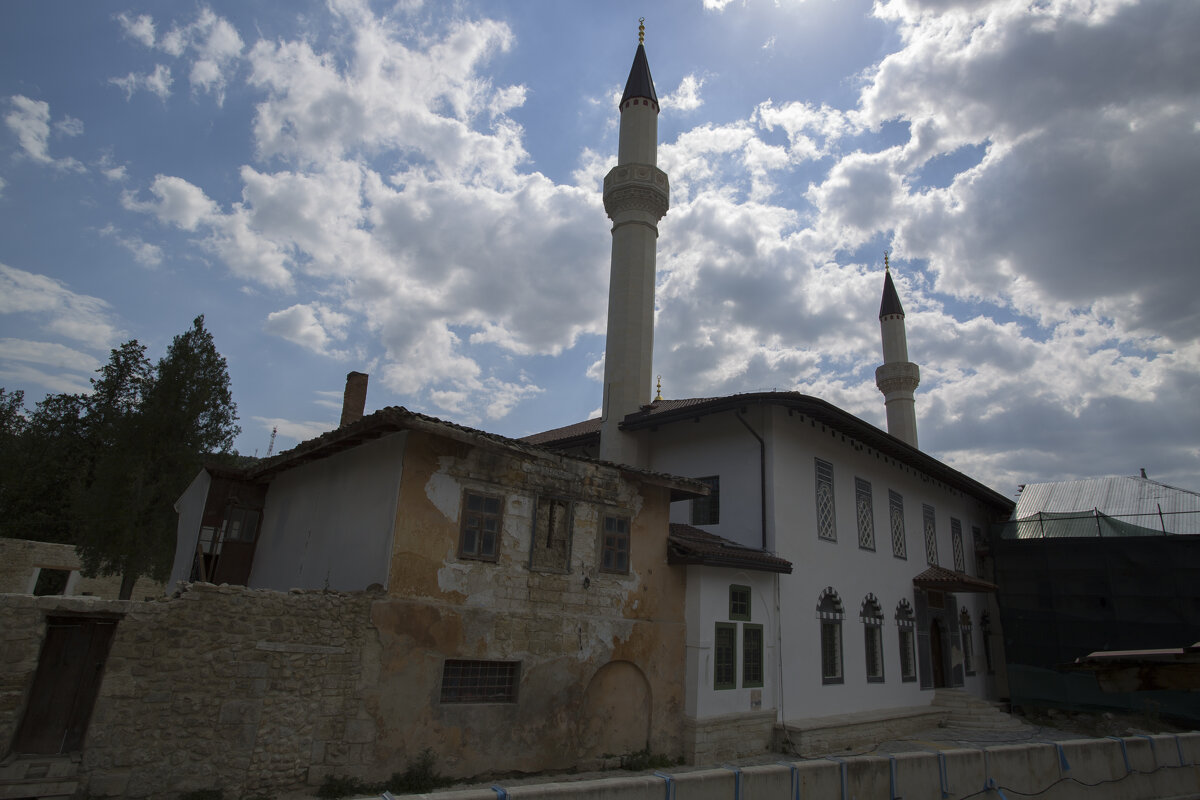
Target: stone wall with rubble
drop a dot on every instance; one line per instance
(20, 560)
(220, 688)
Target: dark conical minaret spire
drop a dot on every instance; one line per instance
(898, 377)
(636, 195)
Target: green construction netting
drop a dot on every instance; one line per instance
(1072, 525)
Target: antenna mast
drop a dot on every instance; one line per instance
(271, 446)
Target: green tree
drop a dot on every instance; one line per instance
(44, 462)
(150, 431)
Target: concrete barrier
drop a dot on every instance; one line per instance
(1159, 767)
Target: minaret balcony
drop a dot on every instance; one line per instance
(898, 376)
(636, 187)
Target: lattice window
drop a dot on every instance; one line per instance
(931, 548)
(896, 518)
(725, 656)
(739, 602)
(872, 619)
(956, 544)
(479, 681)
(752, 656)
(906, 623)
(866, 514)
(831, 613)
(964, 628)
(826, 521)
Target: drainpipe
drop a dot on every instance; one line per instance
(762, 474)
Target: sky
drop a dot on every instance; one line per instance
(413, 190)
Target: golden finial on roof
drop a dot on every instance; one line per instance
(641, 30)
(658, 397)
(886, 266)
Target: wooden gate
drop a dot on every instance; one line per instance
(65, 685)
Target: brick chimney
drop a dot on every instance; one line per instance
(354, 401)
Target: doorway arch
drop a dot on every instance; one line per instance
(615, 718)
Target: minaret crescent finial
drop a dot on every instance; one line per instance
(658, 397)
(641, 30)
(886, 266)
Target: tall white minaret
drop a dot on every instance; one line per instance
(898, 377)
(636, 197)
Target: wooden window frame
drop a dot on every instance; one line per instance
(612, 541)
(707, 510)
(466, 528)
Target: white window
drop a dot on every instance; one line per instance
(830, 614)
(956, 544)
(931, 548)
(896, 518)
(866, 514)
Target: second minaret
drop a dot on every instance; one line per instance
(636, 196)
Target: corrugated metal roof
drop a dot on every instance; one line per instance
(1139, 501)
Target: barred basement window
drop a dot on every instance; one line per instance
(830, 613)
(707, 510)
(866, 514)
(826, 522)
(905, 622)
(956, 544)
(872, 619)
(739, 602)
(931, 548)
(614, 548)
(752, 656)
(896, 518)
(725, 656)
(479, 681)
(479, 537)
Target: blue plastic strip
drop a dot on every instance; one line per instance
(1124, 753)
(387, 795)
(892, 779)
(500, 793)
(990, 784)
(845, 776)
(1153, 750)
(795, 778)
(1179, 747)
(670, 784)
(737, 781)
(1063, 764)
(942, 775)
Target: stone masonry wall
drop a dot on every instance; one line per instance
(220, 688)
(20, 557)
(730, 736)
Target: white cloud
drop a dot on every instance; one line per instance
(140, 28)
(686, 96)
(145, 253)
(157, 82)
(30, 121)
(80, 317)
(312, 326)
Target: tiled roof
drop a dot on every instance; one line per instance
(393, 419)
(666, 412)
(689, 545)
(947, 580)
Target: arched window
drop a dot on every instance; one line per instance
(906, 623)
(831, 614)
(964, 627)
(871, 615)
